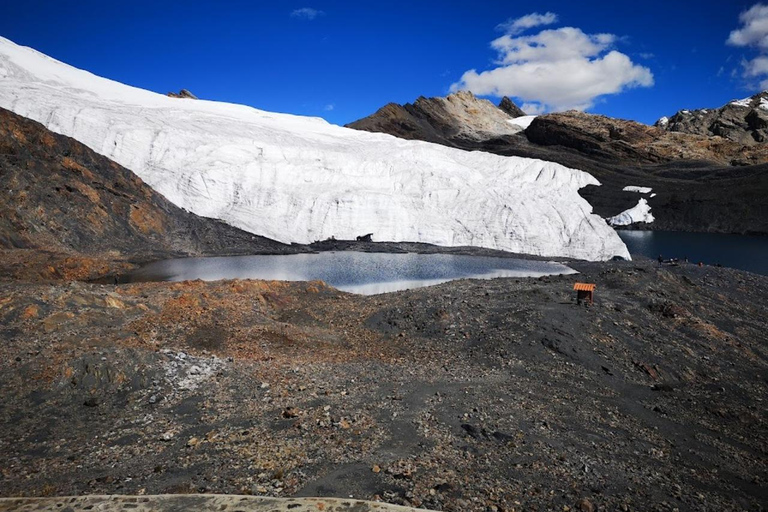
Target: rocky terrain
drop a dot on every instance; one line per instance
(471, 395)
(744, 121)
(184, 93)
(65, 204)
(188, 502)
(702, 182)
(628, 141)
(452, 121)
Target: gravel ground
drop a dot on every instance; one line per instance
(471, 395)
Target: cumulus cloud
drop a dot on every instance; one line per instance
(753, 34)
(755, 29)
(519, 25)
(306, 13)
(555, 69)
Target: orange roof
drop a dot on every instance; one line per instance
(584, 287)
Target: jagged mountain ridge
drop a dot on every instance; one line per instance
(298, 179)
(618, 139)
(744, 121)
(455, 118)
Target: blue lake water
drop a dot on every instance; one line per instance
(737, 251)
(356, 272)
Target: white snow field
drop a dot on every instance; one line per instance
(301, 179)
(641, 212)
(522, 121)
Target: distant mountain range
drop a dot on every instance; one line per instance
(701, 180)
(744, 121)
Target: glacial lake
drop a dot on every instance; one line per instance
(356, 272)
(744, 252)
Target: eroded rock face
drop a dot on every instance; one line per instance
(606, 137)
(743, 121)
(59, 195)
(457, 117)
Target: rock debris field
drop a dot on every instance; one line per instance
(467, 396)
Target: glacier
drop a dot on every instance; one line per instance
(641, 212)
(300, 179)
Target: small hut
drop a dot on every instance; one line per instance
(584, 291)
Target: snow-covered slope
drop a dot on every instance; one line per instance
(299, 179)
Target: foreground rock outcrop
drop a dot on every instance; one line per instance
(465, 396)
(194, 502)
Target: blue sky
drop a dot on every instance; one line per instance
(344, 59)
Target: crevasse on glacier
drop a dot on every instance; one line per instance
(300, 179)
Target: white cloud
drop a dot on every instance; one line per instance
(329, 107)
(556, 69)
(755, 29)
(533, 109)
(753, 34)
(306, 13)
(523, 23)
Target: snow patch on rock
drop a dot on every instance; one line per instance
(522, 121)
(741, 103)
(300, 179)
(639, 190)
(641, 212)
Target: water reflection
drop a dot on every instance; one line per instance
(356, 272)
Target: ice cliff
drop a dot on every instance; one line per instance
(300, 179)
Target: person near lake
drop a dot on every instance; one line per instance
(661, 260)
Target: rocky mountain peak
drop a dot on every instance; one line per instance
(508, 106)
(184, 93)
(744, 121)
(460, 115)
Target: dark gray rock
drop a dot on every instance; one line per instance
(508, 106)
(743, 121)
(184, 93)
